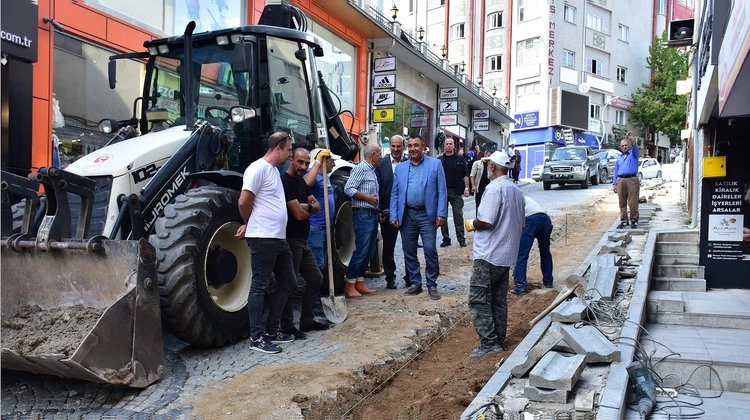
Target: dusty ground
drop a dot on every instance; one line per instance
(397, 363)
(32, 331)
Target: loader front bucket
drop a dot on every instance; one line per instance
(78, 311)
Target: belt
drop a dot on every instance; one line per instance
(416, 208)
(626, 176)
(363, 208)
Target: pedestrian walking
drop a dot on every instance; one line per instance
(390, 234)
(418, 207)
(499, 223)
(263, 209)
(457, 182)
(300, 206)
(362, 187)
(625, 181)
(538, 226)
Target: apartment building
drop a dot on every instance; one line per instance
(567, 69)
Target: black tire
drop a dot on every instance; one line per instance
(658, 174)
(595, 180)
(343, 232)
(203, 294)
(603, 175)
(560, 184)
(36, 219)
(546, 185)
(585, 182)
(640, 177)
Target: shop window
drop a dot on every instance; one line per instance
(81, 87)
(338, 65)
(170, 17)
(410, 118)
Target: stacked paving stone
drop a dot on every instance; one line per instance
(555, 363)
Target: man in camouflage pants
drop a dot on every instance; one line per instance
(499, 224)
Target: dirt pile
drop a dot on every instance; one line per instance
(34, 332)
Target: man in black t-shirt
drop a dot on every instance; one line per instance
(457, 181)
(300, 205)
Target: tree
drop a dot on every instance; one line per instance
(658, 108)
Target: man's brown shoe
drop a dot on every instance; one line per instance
(364, 290)
(350, 291)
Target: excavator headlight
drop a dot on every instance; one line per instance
(222, 40)
(242, 113)
(163, 49)
(152, 50)
(107, 125)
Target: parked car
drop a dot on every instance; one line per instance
(607, 160)
(648, 168)
(536, 173)
(571, 164)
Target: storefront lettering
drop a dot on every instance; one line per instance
(551, 49)
(16, 39)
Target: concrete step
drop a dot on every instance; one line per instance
(683, 351)
(677, 248)
(724, 308)
(676, 259)
(687, 271)
(686, 236)
(678, 284)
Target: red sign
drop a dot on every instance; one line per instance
(622, 103)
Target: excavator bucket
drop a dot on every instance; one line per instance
(80, 308)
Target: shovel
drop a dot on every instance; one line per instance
(573, 284)
(334, 307)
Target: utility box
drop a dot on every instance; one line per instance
(715, 167)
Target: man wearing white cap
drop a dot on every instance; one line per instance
(498, 226)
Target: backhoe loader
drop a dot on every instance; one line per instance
(141, 232)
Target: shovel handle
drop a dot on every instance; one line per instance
(327, 210)
(555, 303)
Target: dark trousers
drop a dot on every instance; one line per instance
(309, 280)
(390, 234)
(538, 226)
(271, 265)
(488, 301)
(628, 190)
(457, 205)
(515, 173)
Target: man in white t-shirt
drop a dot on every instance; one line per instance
(499, 223)
(263, 209)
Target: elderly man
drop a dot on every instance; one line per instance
(385, 180)
(419, 205)
(625, 181)
(263, 209)
(362, 187)
(499, 223)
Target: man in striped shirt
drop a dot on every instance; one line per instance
(362, 187)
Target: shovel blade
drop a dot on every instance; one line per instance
(334, 308)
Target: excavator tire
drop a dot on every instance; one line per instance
(343, 232)
(204, 271)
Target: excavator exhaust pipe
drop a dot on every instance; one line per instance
(79, 308)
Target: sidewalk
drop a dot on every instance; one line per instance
(697, 340)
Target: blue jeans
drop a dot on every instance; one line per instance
(416, 223)
(365, 224)
(316, 240)
(271, 264)
(538, 226)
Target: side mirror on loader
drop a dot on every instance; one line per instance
(243, 54)
(112, 73)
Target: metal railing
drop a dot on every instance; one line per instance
(421, 48)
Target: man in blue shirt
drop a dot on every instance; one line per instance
(625, 181)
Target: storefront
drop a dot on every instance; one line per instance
(19, 52)
(537, 144)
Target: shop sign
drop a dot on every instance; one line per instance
(526, 120)
(384, 98)
(448, 106)
(480, 126)
(383, 115)
(417, 109)
(481, 114)
(449, 93)
(385, 64)
(384, 81)
(419, 120)
(451, 119)
(19, 29)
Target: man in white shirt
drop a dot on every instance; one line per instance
(499, 223)
(539, 226)
(263, 208)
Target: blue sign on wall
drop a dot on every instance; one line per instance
(526, 120)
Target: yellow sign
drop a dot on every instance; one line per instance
(383, 115)
(714, 167)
